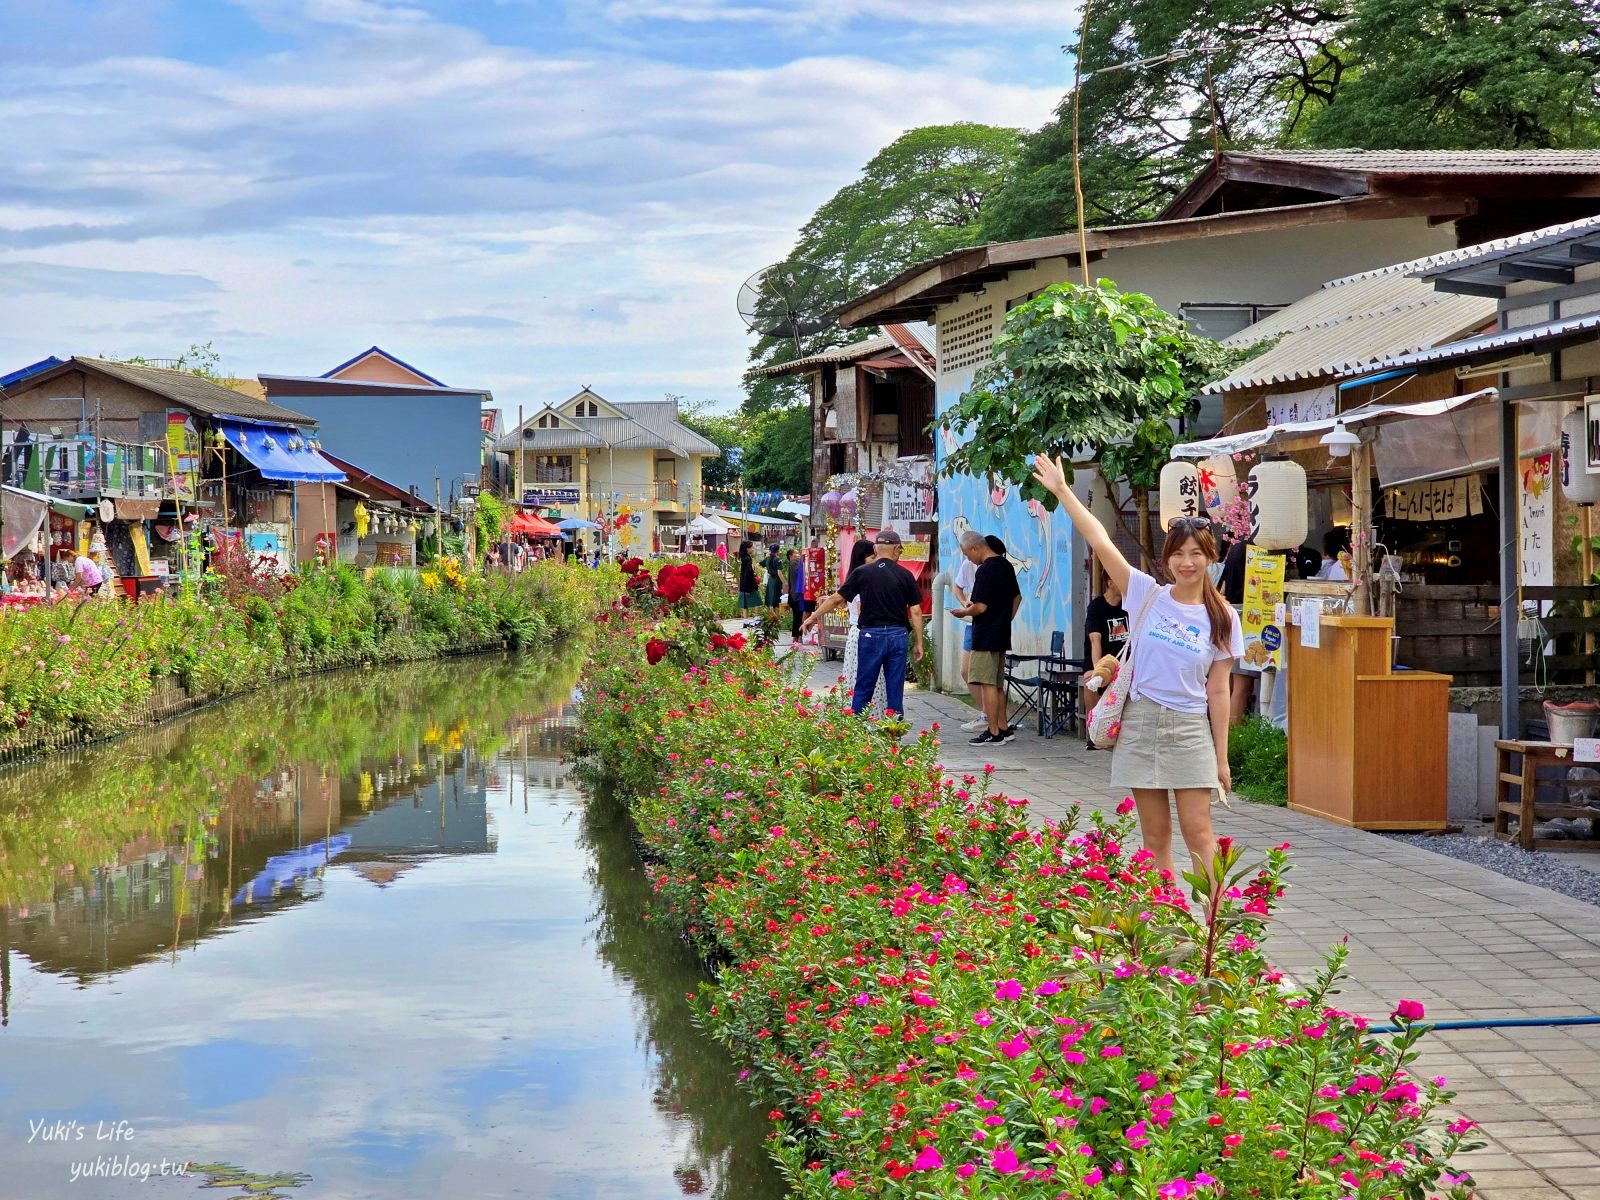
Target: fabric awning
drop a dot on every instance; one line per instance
(532, 525)
(916, 566)
(280, 452)
(1254, 439)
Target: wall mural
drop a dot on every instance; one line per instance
(1038, 543)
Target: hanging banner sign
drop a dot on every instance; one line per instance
(910, 498)
(1537, 521)
(1591, 426)
(1317, 404)
(1261, 622)
(1435, 499)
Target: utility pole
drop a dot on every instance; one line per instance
(438, 519)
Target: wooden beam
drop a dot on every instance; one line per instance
(1540, 272)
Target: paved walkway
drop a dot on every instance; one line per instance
(1465, 941)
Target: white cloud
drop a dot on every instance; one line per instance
(1007, 15)
(372, 180)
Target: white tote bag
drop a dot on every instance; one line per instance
(1105, 718)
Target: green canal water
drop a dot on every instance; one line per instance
(360, 936)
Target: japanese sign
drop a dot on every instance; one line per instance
(1537, 524)
(1315, 405)
(908, 495)
(1591, 434)
(1435, 499)
(1262, 620)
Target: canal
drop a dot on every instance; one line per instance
(359, 936)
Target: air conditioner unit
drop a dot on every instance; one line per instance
(886, 428)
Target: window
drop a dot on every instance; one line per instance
(1219, 321)
(586, 408)
(548, 421)
(552, 468)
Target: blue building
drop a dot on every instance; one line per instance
(399, 423)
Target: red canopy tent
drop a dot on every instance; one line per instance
(530, 525)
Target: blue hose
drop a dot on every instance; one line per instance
(1495, 1023)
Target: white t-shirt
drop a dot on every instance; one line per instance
(1174, 653)
(1332, 569)
(966, 576)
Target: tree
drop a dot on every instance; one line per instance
(920, 196)
(1260, 66)
(1467, 74)
(778, 454)
(1083, 367)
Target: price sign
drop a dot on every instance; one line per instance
(1586, 750)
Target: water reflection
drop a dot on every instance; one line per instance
(361, 928)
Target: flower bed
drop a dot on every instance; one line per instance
(90, 667)
(934, 997)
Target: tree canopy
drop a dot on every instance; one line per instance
(1081, 367)
(1241, 74)
(920, 196)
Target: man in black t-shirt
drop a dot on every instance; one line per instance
(995, 600)
(891, 612)
(1105, 625)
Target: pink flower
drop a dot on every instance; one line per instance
(1146, 1081)
(1048, 988)
(1315, 1031)
(1007, 989)
(1004, 1161)
(982, 1018)
(1408, 1010)
(1110, 1051)
(928, 1159)
(965, 1169)
(1093, 1176)
(1125, 807)
(1136, 1135)
(1015, 1048)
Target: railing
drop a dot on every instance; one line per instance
(82, 468)
(668, 491)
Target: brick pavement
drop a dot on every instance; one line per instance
(1465, 941)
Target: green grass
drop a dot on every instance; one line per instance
(1258, 754)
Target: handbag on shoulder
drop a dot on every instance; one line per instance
(1105, 718)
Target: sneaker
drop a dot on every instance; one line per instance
(1005, 736)
(983, 739)
(975, 724)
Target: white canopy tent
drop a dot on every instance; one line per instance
(708, 525)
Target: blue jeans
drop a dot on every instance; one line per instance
(886, 649)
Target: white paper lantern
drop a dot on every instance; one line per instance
(1278, 507)
(1180, 491)
(1219, 486)
(1576, 483)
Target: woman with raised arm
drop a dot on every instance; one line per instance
(1174, 734)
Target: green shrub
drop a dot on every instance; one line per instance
(1258, 755)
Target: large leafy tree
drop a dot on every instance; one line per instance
(1466, 74)
(920, 196)
(777, 456)
(729, 431)
(1083, 368)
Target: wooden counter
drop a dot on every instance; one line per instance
(1367, 745)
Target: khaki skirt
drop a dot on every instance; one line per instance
(1162, 749)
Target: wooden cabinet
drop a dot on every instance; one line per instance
(1367, 745)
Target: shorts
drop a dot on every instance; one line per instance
(966, 637)
(987, 667)
(1162, 749)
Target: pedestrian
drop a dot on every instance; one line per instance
(722, 555)
(860, 554)
(774, 568)
(85, 571)
(749, 589)
(965, 574)
(797, 600)
(995, 600)
(1105, 631)
(1185, 638)
(890, 617)
(1331, 568)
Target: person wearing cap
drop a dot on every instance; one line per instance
(891, 618)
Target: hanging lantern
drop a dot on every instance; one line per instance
(363, 519)
(1278, 507)
(1219, 486)
(849, 505)
(1180, 491)
(1577, 484)
(830, 503)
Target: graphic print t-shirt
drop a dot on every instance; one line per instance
(1174, 652)
(1110, 621)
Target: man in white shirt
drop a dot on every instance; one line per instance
(966, 573)
(1332, 569)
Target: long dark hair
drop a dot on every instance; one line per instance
(859, 553)
(744, 549)
(1216, 607)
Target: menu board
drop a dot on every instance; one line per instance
(1263, 618)
(1537, 525)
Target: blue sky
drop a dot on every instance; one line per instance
(530, 195)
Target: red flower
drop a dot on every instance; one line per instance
(655, 650)
(630, 566)
(674, 582)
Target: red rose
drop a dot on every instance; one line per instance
(655, 650)
(735, 642)
(630, 566)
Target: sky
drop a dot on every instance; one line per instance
(525, 195)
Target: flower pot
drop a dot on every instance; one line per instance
(1568, 722)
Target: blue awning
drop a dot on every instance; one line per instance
(280, 452)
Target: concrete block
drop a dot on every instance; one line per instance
(1463, 766)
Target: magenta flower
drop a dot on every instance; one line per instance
(928, 1159)
(1007, 989)
(1015, 1048)
(1110, 1051)
(1408, 1010)
(982, 1018)
(1048, 988)
(1004, 1161)
(965, 1169)
(1093, 1176)
(1146, 1081)
(1137, 1135)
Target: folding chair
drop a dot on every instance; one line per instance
(1025, 681)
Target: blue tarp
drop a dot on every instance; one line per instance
(280, 452)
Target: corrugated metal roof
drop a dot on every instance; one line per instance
(560, 438)
(1551, 236)
(1490, 343)
(192, 391)
(1442, 162)
(644, 425)
(865, 348)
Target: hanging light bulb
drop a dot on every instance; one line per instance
(1340, 441)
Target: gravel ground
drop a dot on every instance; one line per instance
(1544, 869)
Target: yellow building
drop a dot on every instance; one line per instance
(632, 466)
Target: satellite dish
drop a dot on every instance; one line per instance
(790, 299)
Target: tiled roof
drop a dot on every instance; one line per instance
(1441, 162)
(195, 392)
(865, 348)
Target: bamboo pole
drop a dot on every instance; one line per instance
(1361, 526)
(1077, 157)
